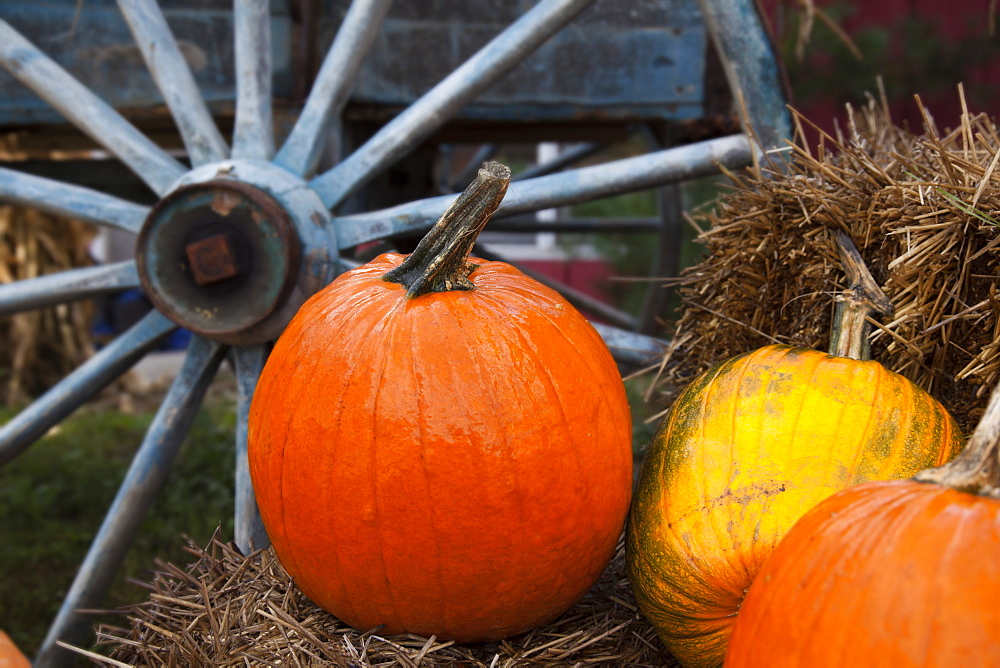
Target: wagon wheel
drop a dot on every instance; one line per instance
(236, 243)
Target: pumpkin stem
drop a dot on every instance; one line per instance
(977, 469)
(440, 261)
(852, 317)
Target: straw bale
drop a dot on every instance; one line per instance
(924, 212)
(225, 609)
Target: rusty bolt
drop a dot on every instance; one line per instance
(212, 259)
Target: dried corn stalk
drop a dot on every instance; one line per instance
(40, 347)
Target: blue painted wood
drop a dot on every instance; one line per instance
(584, 302)
(67, 286)
(752, 69)
(631, 348)
(446, 98)
(92, 41)
(174, 80)
(64, 199)
(570, 187)
(471, 168)
(249, 528)
(86, 110)
(624, 60)
(567, 158)
(618, 59)
(138, 490)
(337, 76)
(253, 132)
(649, 170)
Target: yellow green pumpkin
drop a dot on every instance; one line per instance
(744, 452)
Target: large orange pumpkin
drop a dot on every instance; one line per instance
(901, 573)
(747, 449)
(442, 452)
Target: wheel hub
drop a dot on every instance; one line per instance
(232, 260)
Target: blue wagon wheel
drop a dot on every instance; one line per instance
(252, 204)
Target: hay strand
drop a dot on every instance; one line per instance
(225, 609)
(923, 210)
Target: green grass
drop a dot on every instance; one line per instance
(55, 495)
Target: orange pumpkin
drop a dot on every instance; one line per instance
(10, 655)
(442, 452)
(901, 573)
(744, 452)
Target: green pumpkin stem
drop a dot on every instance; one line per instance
(976, 470)
(852, 317)
(440, 261)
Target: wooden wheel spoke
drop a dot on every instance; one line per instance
(529, 223)
(631, 348)
(649, 170)
(561, 161)
(471, 168)
(445, 99)
(755, 79)
(250, 533)
(87, 111)
(569, 187)
(65, 199)
(142, 482)
(302, 150)
(67, 286)
(253, 135)
(175, 81)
